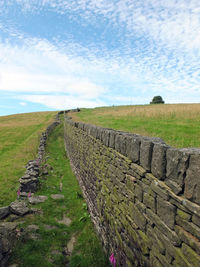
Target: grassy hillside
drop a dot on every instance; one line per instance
(177, 124)
(19, 137)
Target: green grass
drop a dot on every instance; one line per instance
(19, 138)
(87, 251)
(178, 124)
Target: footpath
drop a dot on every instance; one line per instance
(56, 230)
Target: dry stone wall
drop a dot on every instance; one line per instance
(143, 195)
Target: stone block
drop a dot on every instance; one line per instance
(188, 226)
(4, 212)
(177, 163)
(180, 259)
(166, 212)
(93, 131)
(158, 164)
(105, 136)
(192, 207)
(138, 169)
(162, 192)
(137, 216)
(192, 180)
(133, 148)
(170, 234)
(191, 255)
(146, 149)
(144, 242)
(189, 239)
(112, 139)
(120, 143)
(19, 208)
(149, 201)
(154, 240)
(138, 192)
(185, 216)
(162, 259)
(169, 247)
(196, 220)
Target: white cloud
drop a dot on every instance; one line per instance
(61, 101)
(23, 103)
(165, 60)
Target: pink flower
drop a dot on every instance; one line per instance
(112, 260)
(29, 194)
(18, 193)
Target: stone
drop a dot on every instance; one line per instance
(184, 215)
(191, 255)
(192, 207)
(170, 234)
(137, 216)
(174, 186)
(19, 208)
(49, 227)
(180, 259)
(33, 236)
(188, 226)
(196, 220)
(105, 135)
(162, 192)
(120, 143)
(8, 239)
(146, 149)
(26, 176)
(149, 201)
(70, 244)
(189, 239)
(166, 212)
(177, 163)
(158, 164)
(32, 228)
(154, 240)
(192, 180)
(112, 139)
(65, 220)
(138, 169)
(57, 196)
(13, 217)
(133, 148)
(4, 212)
(37, 199)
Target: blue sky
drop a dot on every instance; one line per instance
(61, 54)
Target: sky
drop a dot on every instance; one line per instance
(62, 54)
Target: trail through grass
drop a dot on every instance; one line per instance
(177, 124)
(19, 139)
(54, 237)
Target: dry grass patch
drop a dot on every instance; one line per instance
(177, 124)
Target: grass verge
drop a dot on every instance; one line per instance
(19, 139)
(48, 249)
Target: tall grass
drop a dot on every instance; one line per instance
(177, 124)
(19, 138)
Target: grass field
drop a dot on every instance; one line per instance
(177, 124)
(19, 138)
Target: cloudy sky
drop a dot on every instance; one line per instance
(60, 54)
